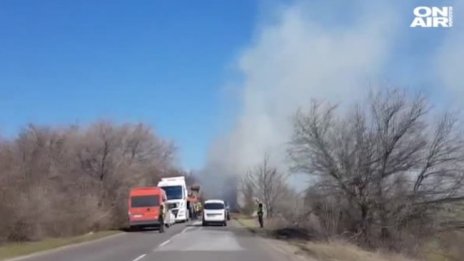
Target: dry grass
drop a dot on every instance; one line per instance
(252, 225)
(445, 247)
(249, 223)
(327, 251)
(11, 250)
(339, 251)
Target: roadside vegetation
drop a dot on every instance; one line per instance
(387, 175)
(61, 182)
(330, 250)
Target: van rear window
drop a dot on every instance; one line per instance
(144, 201)
(214, 206)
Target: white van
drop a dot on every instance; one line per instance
(214, 212)
(177, 197)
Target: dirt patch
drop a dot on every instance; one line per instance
(292, 233)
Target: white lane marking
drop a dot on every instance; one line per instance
(196, 223)
(176, 235)
(139, 257)
(165, 243)
(186, 229)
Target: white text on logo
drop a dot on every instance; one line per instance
(433, 16)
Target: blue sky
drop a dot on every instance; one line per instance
(199, 70)
(160, 62)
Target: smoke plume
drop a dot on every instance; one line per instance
(300, 53)
(294, 59)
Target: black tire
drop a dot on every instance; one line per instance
(136, 228)
(225, 223)
(204, 224)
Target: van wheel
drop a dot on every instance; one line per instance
(225, 223)
(134, 228)
(203, 223)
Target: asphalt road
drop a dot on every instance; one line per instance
(190, 242)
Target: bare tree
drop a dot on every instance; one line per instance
(75, 175)
(268, 184)
(247, 194)
(389, 164)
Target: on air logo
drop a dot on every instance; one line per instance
(427, 16)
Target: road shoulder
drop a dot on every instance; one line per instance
(287, 250)
(22, 251)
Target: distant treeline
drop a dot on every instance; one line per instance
(70, 180)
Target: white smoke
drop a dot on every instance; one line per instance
(450, 58)
(293, 60)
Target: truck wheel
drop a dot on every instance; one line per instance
(135, 228)
(203, 223)
(225, 223)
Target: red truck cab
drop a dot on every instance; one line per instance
(144, 206)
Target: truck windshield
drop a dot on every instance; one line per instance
(214, 206)
(144, 201)
(173, 192)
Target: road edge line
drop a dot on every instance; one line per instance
(164, 243)
(139, 257)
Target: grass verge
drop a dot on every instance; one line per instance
(340, 251)
(446, 246)
(252, 225)
(248, 223)
(11, 250)
(323, 251)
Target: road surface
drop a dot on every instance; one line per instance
(190, 242)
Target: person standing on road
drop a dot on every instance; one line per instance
(260, 215)
(194, 213)
(161, 219)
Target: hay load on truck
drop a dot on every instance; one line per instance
(195, 201)
(177, 197)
